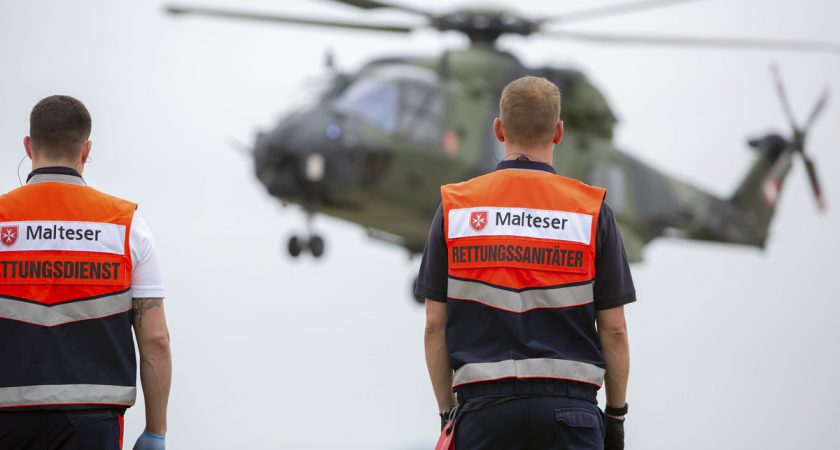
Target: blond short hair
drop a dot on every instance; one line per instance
(529, 110)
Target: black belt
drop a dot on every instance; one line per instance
(518, 388)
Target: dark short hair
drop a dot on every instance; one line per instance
(58, 126)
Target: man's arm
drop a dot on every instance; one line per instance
(612, 331)
(437, 357)
(155, 360)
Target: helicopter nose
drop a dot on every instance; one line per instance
(312, 159)
(287, 172)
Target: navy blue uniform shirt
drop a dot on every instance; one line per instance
(613, 283)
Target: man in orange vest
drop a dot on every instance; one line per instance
(78, 269)
(520, 266)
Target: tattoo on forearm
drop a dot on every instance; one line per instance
(141, 305)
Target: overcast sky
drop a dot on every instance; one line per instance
(732, 348)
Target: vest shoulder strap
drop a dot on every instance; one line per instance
(62, 201)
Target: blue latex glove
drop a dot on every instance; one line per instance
(150, 441)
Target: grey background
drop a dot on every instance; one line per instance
(732, 348)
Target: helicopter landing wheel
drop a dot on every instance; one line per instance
(296, 246)
(316, 246)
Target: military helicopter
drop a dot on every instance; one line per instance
(375, 146)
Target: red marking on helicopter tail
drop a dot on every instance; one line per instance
(771, 189)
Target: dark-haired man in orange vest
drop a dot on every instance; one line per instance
(520, 266)
(78, 269)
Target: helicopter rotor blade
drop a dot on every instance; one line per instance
(783, 97)
(815, 184)
(265, 17)
(614, 10)
(373, 4)
(819, 107)
(683, 41)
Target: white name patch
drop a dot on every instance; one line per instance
(62, 235)
(524, 222)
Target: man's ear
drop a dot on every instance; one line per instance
(497, 129)
(86, 151)
(558, 133)
(27, 144)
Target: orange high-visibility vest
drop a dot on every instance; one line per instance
(521, 258)
(65, 299)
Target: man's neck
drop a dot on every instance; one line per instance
(541, 155)
(39, 164)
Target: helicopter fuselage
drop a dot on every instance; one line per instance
(377, 145)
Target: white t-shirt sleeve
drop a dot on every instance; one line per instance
(146, 281)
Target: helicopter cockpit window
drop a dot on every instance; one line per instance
(373, 100)
(421, 111)
(397, 99)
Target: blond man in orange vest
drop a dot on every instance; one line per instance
(525, 279)
(78, 270)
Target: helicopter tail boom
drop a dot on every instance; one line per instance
(756, 197)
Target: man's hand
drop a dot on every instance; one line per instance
(614, 434)
(445, 417)
(150, 441)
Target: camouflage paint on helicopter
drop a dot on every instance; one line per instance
(376, 145)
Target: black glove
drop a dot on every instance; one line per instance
(444, 417)
(614, 434)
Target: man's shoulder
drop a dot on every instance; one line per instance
(467, 182)
(606, 221)
(16, 192)
(9, 195)
(117, 201)
(596, 191)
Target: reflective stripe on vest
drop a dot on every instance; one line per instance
(521, 248)
(62, 313)
(67, 394)
(526, 300)
(65, 296)
(529, 368)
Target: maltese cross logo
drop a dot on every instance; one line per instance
(478, 220)
(8, 235)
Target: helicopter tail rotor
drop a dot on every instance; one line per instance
(797, 142)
